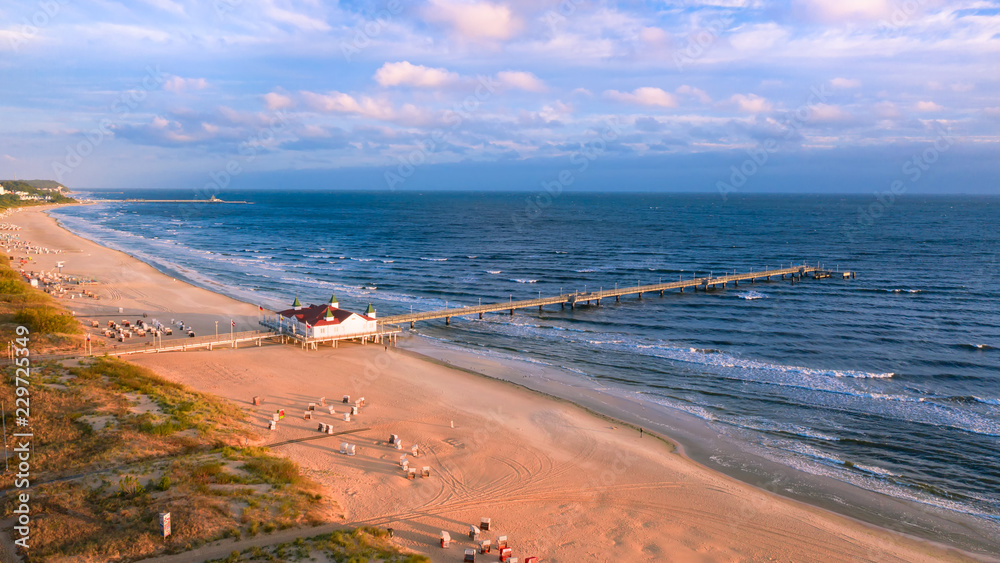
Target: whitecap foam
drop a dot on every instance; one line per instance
(751, 295)
(523, 281)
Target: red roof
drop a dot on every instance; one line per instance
(316, 315)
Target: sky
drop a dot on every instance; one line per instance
(733, 96)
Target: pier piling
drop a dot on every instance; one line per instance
(794, 273)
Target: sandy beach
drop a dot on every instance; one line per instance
(560, 482)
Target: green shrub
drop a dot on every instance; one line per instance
(46, 319)
(272, 470)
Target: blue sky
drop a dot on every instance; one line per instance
(692, 95)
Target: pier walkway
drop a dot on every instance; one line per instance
(183, 344)
(795, 273)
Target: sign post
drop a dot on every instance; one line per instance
(165, 523)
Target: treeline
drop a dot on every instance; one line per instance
(41, 188)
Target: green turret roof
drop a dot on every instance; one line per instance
(296, 303)
(329, 313)
(333, 298)
(370, 309)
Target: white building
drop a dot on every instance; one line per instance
(327, 321)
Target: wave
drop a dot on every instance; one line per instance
(976, 347)
(963, 400)
(751, 295)
(471, 257)
(435, 259)
(889, 290)
(523, 281)
(585, 270)
(493, 271)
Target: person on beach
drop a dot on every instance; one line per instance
(640, 432)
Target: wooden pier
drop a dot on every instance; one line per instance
(706, 283)
(182, 344)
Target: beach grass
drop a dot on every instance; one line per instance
(360, 545)
(116, 445)
(50, 325)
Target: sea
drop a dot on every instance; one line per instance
(889, 381)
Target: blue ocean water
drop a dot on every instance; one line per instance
(890, 381)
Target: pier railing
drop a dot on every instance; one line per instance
(182, 343)
(696, 282)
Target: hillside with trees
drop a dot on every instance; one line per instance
(19, 193)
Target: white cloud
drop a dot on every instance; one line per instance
(365, 106)
(645, 96)
(405, 73)
(653, 35)
(928, 106)
(699, 94)
(474, 20)
(294, 19)
(9, 158)
(758, 37)
(886, 110)
(522, 80)
(841, 10)
(167, 6)
(178, 84)
(275, 100)
(826, 113)
(751, 103)
(963, 87)
(845, 83)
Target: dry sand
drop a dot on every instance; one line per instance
(561, 483)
